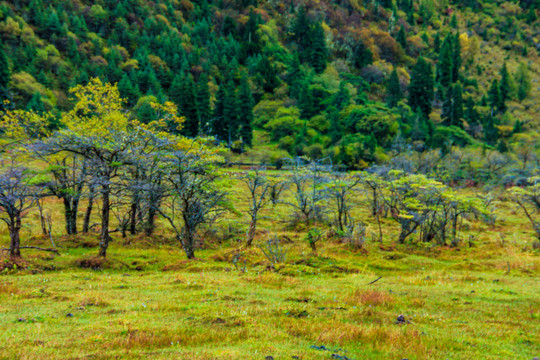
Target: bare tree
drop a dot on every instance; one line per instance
(309, 190)
(259, 188)
(19, 192)
(528, 199)
(69, 172)
(341, 190)
(193, 197)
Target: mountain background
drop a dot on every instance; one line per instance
(354, 81)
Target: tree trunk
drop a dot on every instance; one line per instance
(187, 244)
(105, 217)
(251, 232)
(133, 217)
(88, 213)
(14, 235)
(150, 222)
(70, 214)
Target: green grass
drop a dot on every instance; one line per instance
(146, 301)
(459, 306)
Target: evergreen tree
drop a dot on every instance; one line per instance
(267, 75)
(245, 111)
(5, 75)
(188, 107)
(362, 55)
(393, 90)
(318, 51)
(301, 30)
(471, 115)
(251, 39)
(494, 96)
(453, 106)
(504, 85)
(437, 42)
(445, 64)
(203, 103)
(524, 82)
(128, 91)
(225, 119)
(454, 22)
(294, 76)
(218, 127)
(342, 98)
(421, 90)
(36, 104)
(456, 58)
(402, 38)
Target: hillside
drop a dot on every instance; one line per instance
(311, 78)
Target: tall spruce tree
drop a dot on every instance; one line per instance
(294, 76)
(452, 113)
(421, 90)
(393, 89)
(203, 103)
(456, 58)
(445, 63)
(504, 85)
(402, 38)
(218, 126)
(318, 52)
(5, 75)
(494, 96)
(245, 111)
(362, 55)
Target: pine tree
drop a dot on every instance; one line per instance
(402, 38)
(342, 98)
(494, 96)
(267, 75)
(421, 90)
(218, 122)
(445, 64)
(203, 103)
(5, 75)
(36, 104)
(128, 91)
(230, 112)
(453, 106)
(393, 89)
(188, 107)
(301, 30)
(318, 51)
(245, 111)
(437, 42)
(504, 85)
(362, 55)
(294, 76)
(524, 82)
(251, 39)
(471, 115)
(456, 58)
(454, 21)
(182, 93)
(225, 116)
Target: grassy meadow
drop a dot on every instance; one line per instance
(480, 300)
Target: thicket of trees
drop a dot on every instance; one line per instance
(138, 171)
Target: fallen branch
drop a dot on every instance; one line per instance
(34, 247)
(374, 281)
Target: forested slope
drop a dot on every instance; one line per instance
(355, 81)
